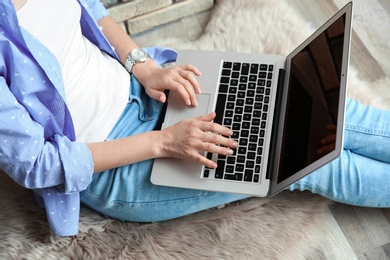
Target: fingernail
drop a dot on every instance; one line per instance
(188, 102)
(235, 144)
(229, 152)
(230, 132)
(199, 91)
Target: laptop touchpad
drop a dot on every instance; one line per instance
(179, 110)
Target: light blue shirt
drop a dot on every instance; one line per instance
(37, 141)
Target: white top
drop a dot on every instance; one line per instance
(96, 85)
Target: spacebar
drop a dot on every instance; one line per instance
(220, 108)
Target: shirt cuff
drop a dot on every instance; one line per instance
(77, 163)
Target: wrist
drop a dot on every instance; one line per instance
(144, 68)
(161, 139)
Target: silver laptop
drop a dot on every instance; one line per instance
(278, 108)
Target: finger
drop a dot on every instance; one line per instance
(215, 128)
(207, 118)
(178, 88)
(190, 77)
(206, 162)
(191, 68)
(188, 87)
(157, 95)
(220, 140)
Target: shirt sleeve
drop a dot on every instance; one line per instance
(96, 8)
(34, 162)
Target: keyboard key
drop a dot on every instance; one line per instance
(231, 160)
(229, 169)
(254, 68)
(234, 177)
(227, 65)
(236, 66)
(252, 146)
(229, 113)
(260, 82)
(262, 75)
(241, 94)
(250, 164)
(247, 117)
(252, 77)
(240, 102)
(226, 72)
(243, 79)
(248, 109)
(223, 88)
(243, 141)
(248, 175)
(237, 118)
(220, 169)
(245, 69)
(235, 74)
(241, 150)
(241, 86)
(251, 156)
(263, 67)
(220, 108)
(225, 80)
(241, 159)
(233, 82)
(249, 101)
(240, 167)
(244, 133)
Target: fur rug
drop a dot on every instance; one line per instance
(243, 230)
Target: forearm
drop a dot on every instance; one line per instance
(123, 44)
(115, 153)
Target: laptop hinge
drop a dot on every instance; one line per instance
(275, 124)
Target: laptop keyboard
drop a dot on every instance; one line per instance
(242, 105)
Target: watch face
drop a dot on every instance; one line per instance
(138, 54)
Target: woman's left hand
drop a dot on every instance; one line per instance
(181, 79)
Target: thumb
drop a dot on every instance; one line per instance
(157, 95)
(208, 117)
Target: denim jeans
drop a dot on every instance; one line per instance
(126, 193)
(360, 176)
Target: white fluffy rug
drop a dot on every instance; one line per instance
(287, 226)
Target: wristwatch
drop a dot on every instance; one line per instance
(136, 56)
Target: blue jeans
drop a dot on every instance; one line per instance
(360, 176)
(126, 193)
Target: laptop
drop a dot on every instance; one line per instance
(279, 108)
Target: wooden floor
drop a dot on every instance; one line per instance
(357, 233)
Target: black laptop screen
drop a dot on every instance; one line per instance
(312, 101)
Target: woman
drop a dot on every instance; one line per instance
(70, 113)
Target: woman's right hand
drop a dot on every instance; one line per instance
(188, 138)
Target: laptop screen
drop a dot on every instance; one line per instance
(312, 101)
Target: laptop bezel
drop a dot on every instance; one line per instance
(275, 186)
